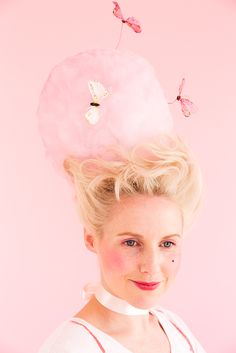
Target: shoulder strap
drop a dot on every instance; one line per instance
(180, 327)
(95, 338)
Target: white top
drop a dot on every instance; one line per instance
(76, 335)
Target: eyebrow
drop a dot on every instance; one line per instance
(141, 236)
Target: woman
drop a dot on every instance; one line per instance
(136, 197)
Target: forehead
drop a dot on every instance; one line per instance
(145, 214)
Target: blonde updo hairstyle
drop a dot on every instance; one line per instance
(165, 167)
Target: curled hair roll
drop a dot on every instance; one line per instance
(165, 167)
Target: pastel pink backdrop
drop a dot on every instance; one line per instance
(43, 261)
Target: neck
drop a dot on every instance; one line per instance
(113, 314)
(115, 323)
(114, 303)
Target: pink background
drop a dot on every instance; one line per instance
(43, 261)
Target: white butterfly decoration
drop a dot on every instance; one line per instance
(98, 92)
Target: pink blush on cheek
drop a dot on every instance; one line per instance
(114, 261)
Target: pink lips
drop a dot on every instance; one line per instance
(147, 285)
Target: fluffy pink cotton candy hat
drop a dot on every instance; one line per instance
(97, 98)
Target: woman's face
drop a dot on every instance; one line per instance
(140, 240)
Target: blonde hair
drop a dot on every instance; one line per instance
(165, 167)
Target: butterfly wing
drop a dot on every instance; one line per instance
(97, 90)
(187, 107)
(92, 115)
(181, 86)
(134, 24)
(117, 11)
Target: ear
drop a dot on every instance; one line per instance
(89, 240)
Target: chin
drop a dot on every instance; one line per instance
(145, 301)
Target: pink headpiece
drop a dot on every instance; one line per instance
(97, 98)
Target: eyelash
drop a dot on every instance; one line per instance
(167, 241)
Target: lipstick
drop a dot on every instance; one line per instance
(147, 285)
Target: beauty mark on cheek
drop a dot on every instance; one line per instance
(174, 265)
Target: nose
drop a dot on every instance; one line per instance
(150, 261)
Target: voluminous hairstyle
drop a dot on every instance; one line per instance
(165, 167)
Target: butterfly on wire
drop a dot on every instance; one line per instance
(131, 21)
(187, 105)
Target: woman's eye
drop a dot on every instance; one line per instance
(130, 242)
(133, 243)
(170, 243)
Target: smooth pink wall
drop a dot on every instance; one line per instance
(43, 261)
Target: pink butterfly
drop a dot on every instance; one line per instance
(131, 21)
(187, 106)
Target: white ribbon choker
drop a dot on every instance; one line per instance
(112, 302)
